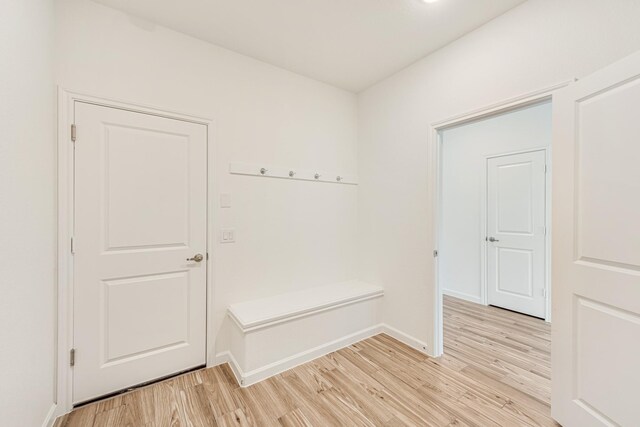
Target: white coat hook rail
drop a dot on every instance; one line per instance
(290, 173)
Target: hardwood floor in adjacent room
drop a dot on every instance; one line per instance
(495, 372)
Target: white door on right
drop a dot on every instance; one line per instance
(516, 232)
(596, 249)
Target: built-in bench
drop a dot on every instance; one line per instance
(273, 334)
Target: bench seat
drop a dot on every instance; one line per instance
(260, 313)
(270, 335)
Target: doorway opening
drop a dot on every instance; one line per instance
(493, 185)
(493, 245)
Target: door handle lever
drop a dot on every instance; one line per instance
(493, 239)
(196, 258)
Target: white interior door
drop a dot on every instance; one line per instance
(516, 232)
(139, 305)
(596, 249)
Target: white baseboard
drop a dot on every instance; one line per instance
(246, 379)
(412, 342)
(51, 416)
(462, 295)
(227, 357)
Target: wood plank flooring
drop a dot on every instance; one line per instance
(495, 372)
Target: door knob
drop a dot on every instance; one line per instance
(493, 239)
(196, 258)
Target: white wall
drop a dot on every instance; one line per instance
(536, 45)
(464, 157)
(290, 234)
(27, 212)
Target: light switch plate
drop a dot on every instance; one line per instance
(227, 235)
(225, 200)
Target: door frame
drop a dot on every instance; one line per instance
(65, 202)
(434, 162)
(484, 200)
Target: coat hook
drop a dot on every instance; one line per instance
(338, 178)
(317, 176)
(263, 171)
(291, 173)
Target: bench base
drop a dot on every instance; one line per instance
(274, 334)
(246, 379)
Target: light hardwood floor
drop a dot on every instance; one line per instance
(495, 372)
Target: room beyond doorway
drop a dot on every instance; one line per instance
(494, 227)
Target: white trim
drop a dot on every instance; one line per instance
(246, 379)
(548, 230)
(484, 223)
(227, 357)
(275, 368)
(407, 339)
(500, 107)
(464, 296)
(212, 218)
(51, 416)
(297, 314)
(435, 163)
(434, 142)
(64, 338)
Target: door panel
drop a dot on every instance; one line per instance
(161, 218)
(514, 197)
(151, 327)
(140, 212)
(515, 267)
(595, 378)
(516, 222)
(596, 249)
(608, 175)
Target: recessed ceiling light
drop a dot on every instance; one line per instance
(429, 1)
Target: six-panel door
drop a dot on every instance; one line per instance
(139, 305)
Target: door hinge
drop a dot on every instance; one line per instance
(544, 293)
(435, 253)
(72, 357)
(73, 133)
(545, 168)
(72, 249)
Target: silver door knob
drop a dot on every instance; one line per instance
(196, 258)
(493, 239)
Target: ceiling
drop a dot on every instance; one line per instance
(350, 44)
